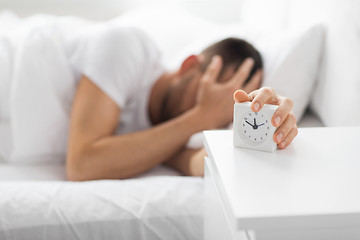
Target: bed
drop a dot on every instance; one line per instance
(38, 203)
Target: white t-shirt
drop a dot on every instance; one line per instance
(124, 63)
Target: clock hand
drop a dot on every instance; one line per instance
(249, 123)
(255, 126)
(260, 124)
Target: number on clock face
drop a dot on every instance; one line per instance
(255, 127)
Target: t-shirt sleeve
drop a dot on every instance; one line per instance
(112, 58)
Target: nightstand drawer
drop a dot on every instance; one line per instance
(216, 222)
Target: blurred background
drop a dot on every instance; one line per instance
(256, 11)
(218, 10)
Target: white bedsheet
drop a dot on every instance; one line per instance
(152, 206)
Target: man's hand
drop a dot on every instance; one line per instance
(214, 99)
(284, 119)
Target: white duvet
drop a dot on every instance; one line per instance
(152, 206)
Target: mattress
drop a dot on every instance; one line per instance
(159, 204)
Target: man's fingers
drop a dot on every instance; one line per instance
(283, 118)
(289, 138)
(262, 96)
(254, 82)
(285, 128)
(282, 112)
(241, 96)
(213, 70)
(242, 73)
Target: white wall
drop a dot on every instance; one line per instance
(217, 10)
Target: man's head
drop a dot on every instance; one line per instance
(181, 95)
(233, 52)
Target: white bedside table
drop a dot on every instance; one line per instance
(311, 190)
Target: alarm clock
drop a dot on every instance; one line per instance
(254, 130)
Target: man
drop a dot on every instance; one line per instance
(130, 115)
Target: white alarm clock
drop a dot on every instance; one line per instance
(254, 130)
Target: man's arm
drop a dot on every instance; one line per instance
(188, 161)
(94, 153)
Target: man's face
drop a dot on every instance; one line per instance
(182, 94)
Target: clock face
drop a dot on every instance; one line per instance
(255, 127)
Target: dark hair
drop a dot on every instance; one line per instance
(233, 52)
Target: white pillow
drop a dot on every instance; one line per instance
(291, 64)
(337, 96)
(41, 98)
